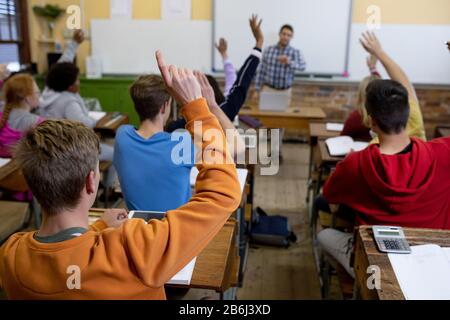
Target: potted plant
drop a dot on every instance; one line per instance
(50, 13)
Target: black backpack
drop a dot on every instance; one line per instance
(271, 230)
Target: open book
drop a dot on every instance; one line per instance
(242, 177)
(185, 275)
(97, 115)
(425, 273)
(341, 146)
(4, 162)
(337, 127)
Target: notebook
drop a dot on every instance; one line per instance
(338, 127)
(97, 115)
(184, 277)
(242, 177)
(341, 146)
(424, 274)
(4, 162)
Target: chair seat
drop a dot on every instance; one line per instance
(12, 217)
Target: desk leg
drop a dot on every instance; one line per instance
(319, 183)
(229, 294)
(242, 243)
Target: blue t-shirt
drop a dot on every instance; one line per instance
(154, 173)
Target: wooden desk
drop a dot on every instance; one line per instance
(324, 156)
(367, 254)
(106, 126)
(11, 177)
(293, 118)
(216, 267)
(317, 130)
(324, 162)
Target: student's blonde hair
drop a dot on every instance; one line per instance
(56, 157)
(361, 102)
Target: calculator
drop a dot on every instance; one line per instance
(391, 239)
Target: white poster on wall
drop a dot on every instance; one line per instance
(176, 9)
(121, 9)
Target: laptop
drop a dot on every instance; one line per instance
(274, 100)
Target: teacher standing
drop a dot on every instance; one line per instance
(279, 63)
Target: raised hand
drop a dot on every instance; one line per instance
(78, 36)
(222, 47)
(207, 90)
(255, 25)
(181, 83)
(371, 44)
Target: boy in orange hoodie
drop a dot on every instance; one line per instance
(116, 258)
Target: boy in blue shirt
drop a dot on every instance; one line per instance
(154, 166)
(149, 179)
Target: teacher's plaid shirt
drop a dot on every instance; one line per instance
(276, 75)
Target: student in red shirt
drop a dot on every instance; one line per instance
(402, 181)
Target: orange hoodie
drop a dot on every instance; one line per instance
(135, 260)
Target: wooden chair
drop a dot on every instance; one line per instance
(14, 216)
(12, 181)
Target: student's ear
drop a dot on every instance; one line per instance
(91, 183)
(166, 106)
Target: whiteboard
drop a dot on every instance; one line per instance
(321, 29)
(128, 46)
(418, 49)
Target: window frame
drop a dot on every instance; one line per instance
(23, 41)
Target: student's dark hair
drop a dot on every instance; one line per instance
(388, 104)
(149, 94)
(61, 76)
(287, 26)
(220, 98)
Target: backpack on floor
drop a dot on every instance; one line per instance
(271, 230)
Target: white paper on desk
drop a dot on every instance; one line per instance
(176, 9)
(242, 177)
(4, 162)
(342, 145)
(184, 277)
(335, 127)
(121, 8)
(447, 252)
(97, 115)
(424, 274)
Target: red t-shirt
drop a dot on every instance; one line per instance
(355, 128)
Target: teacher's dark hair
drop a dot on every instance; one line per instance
(287, 26)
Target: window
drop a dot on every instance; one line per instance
(14, 39)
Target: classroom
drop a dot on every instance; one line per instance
(243, 150)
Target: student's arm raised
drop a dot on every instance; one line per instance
(234, 139)
(373, 46)
(160, 249)
(71, 49)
